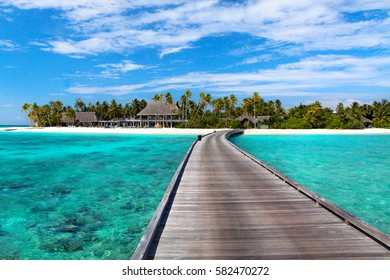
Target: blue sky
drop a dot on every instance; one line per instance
(297, 51)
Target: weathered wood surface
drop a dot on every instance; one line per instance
(228, 207)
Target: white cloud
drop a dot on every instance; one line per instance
(167, 51)
(37, 44)
(115, 26)
(109, 90)
(257, 59)
(114, 70)
(323, 73)
(8, 46)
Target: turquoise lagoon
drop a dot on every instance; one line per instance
(69, 196)
(352, 171)
(83, 196)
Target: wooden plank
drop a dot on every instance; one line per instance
(143, 246)
(229, 205)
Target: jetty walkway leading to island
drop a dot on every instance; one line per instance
(224, 204)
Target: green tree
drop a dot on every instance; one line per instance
(79, 105)
(113, 110)
(296, 123)
(218, 105)
(70, 114)
(247, 104)
(232, 104)
(35, 114)
(187, 97)
(168, 98)
(26, 108)
(256, 101)
(313, 115)
(156, 97)
(381, 114)
(204, 100)
(57, 111)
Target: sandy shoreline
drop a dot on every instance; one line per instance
(315, 131)
(192, 131)
(99, 130)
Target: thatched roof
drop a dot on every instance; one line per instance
(253, 119)
(263, 118)
(81, 117)
(365, 120)
(158, 108)
(86, 117)
(65, 119)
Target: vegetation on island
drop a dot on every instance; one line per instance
(222, 112)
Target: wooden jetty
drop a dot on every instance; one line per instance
(224, 204)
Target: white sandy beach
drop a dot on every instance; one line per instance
(192, 131)
(100, 130)
(315, 131)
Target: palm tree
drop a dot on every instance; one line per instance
(206, 101)
(226, 105)
(256, 100)
(46, 112)
(382, 114)
(79, 105)
(35, 114)
(218, 105)
(157, 97)
(233, 102)
(182, 105)
(26, 108)
(187, 97)
(246, 104)
(70, 114)
(57, 109)
(113, 110)
(202, 96)
(270, 107)
(313, 114)
(168, 98)
(278, 106)
(98, 109)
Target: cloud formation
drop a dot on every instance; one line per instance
(328, 73)
(115, 70)
(171, 26)
(8, 46)
(281, 48)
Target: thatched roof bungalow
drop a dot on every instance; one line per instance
(159, 114)
(366, 121)
(81, 119)
(246, 119)
(158, 108)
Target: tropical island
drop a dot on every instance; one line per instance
(208, 112)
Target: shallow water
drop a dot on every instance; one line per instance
(66, 196)
(352, 171)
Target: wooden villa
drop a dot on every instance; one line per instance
(247, 120)
(159, 114)
(81, 119)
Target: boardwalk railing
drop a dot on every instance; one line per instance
(372, 232)
(142, 249)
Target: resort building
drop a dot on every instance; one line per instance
(249, 121)
(159, 114)
(81, 119)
